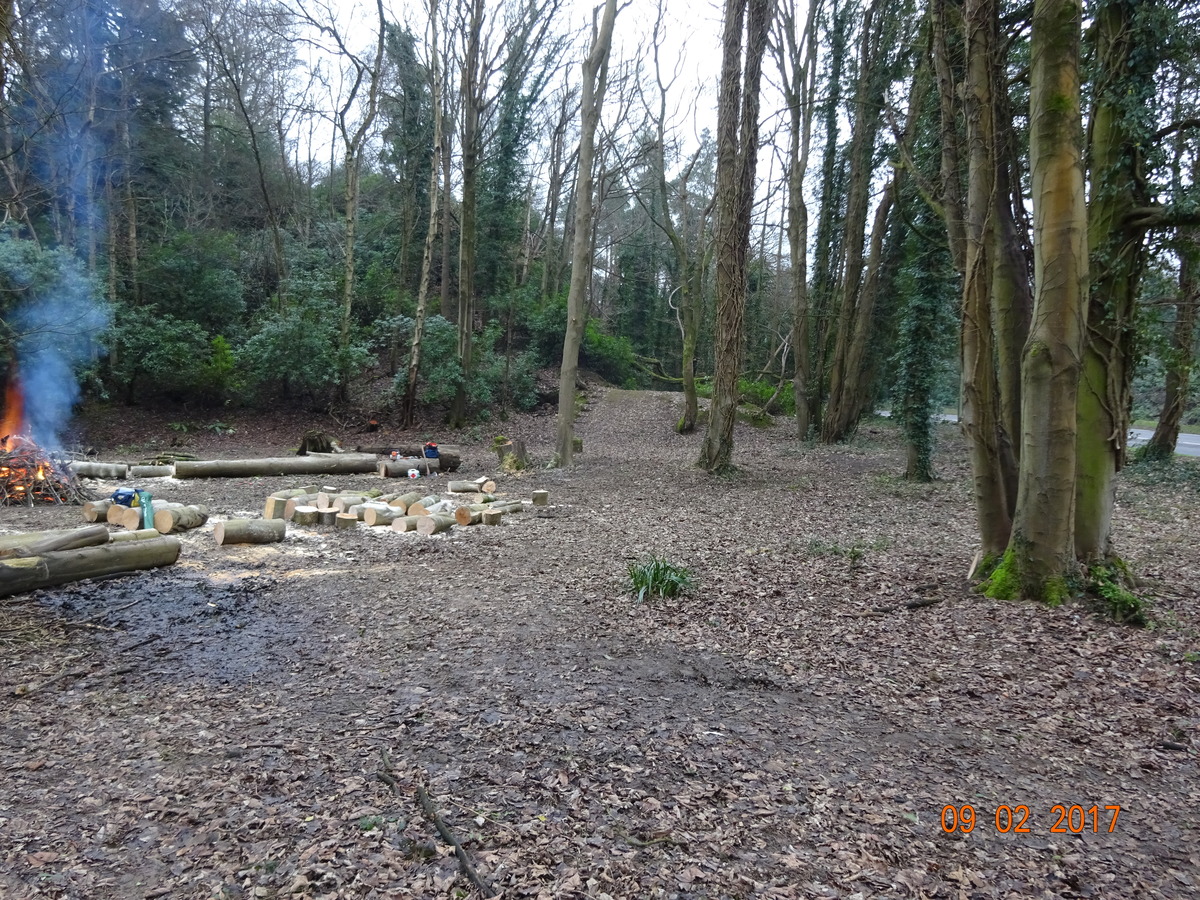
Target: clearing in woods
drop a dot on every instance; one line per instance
(256, 721)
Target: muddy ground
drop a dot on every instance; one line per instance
(256, 721)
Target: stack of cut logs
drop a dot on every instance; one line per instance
(165, 517)
(411, 511)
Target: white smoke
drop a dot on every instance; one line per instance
(57, 323)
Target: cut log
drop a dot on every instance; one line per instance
(513, 506)
(448, 459)
(359, 510)
(385, 515)
(541, 498)
(151, 471)
(249, 531)
(306, 515)
(434, 524)
(404, 501)
(276, 504)
(171, 521)
(342, 464)
(133, 518)
(482, 486)
(398, 468)
(345, 520)
(406, 523)
(89, 536)
(64, 566)
(492, 516)
(296, 492)
(421, 507)
(466, 515)
(96, 510)
(346, 501)
(326, 517)
(142, 534)
(290, 505)
(100, 470)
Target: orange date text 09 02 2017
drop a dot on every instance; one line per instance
(1016, 819)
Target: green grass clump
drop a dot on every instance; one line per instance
(659, 577)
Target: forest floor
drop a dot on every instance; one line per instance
(255, 721)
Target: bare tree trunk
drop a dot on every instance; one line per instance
(1041, 553)
(737, 155)
(595, 78)
(980, 390)
(1179, 362)
(472, 101)
(408, 405)
(799, 75)
(354, 142)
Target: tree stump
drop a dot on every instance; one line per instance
(306, 515)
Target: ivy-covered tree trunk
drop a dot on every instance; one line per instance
(595, 78)
(1041, 552)
(867, 115)
(1179, 362)
(737, 155)
(1126, 62)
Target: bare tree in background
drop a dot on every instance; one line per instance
(595, 78)
(737, 155)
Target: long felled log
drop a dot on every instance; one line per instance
(64, 566)
(250, 531)
(151, 471)
(171, 521)
(8, 541)
(72, 540)
(142, 534)
(100, 470)
(338, 464)
(448, 459)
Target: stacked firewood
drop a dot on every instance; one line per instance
(28, 476)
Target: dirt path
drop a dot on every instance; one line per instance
(787, 730)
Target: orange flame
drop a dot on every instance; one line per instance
(13, 422)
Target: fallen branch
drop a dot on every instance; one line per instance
(388, 777)
(464, 859)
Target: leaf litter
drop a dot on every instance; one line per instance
(259, 722)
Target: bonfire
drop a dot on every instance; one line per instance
(28, 474)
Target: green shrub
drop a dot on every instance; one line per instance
(295, 351)
(658, 577)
